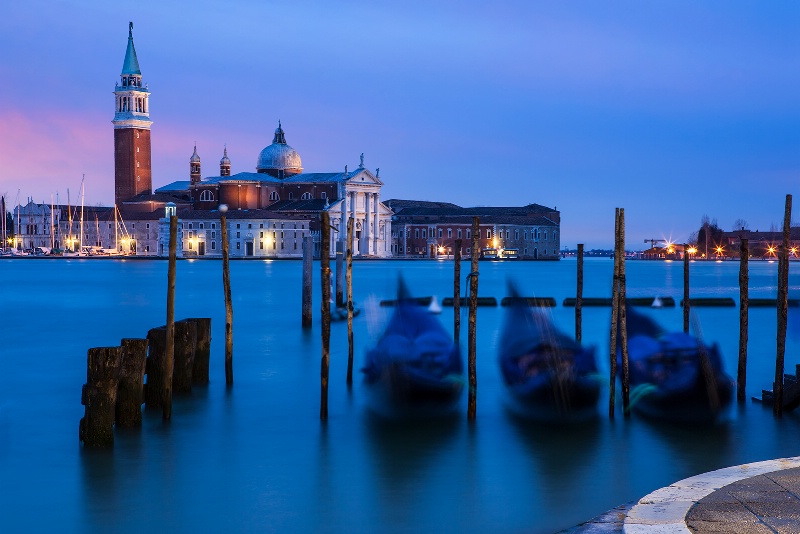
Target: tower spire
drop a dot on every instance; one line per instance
(131, 63)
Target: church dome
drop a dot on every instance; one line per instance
(225, 159)
(279, 159)
(195, 157)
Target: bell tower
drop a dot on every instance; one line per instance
(132, 175)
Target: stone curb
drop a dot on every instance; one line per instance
(664, 510)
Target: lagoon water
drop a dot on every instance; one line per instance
(255, 458)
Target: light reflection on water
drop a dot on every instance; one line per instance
(256, 458)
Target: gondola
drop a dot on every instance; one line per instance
(674, 376)
(415, 369)
(548, 375)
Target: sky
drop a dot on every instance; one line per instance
(673, 110)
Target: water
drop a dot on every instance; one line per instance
(256, 458)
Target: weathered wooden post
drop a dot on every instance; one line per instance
(579, 296)
(202, 350)
(349, 278)
(99, 395)
(457, 292)
(226, 288)
(339, 273)
(626, 388)
(185, 343)
(473, 321)
(783, 307)
(686, 303)
(154, 367)
(169, 359)
(308, 255)
(614, 315)
(130, 388)
(325, 271)
(744, 301)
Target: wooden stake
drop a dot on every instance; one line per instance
(579, 296)
(783, 308)
(623, 325)
(612, 384)
(349, 278)
(457, 292)
(169, 361)
(339, 273)
(325, 272)
(685, 289)
(473, 321)
(226, 288)
(744, 301)
(308, 256)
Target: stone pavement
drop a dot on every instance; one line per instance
(760, 504)
(762, 497)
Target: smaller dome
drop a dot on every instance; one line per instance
(195, 158)
(225, 160)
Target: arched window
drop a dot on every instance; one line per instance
(306, 196)
(207, 195)
(274, 196)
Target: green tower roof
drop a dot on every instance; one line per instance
(131, 64)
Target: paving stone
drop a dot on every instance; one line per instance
(781, 510)
(783, 526)
(721, 512)
(715, 527)
(673, 528)
(658, 513)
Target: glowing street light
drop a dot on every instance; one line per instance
(720, 250)
(692, 251)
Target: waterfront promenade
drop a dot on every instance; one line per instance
(761, 497)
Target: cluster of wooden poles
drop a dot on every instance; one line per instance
(618, 314)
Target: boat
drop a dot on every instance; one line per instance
(489, 254)
(415, 369)
(548, 375)
(674, 376)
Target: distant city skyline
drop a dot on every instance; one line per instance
(672, 110)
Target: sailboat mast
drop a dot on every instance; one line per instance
(116, 230)
(80, 239)
(3, 209)
(52, 226)
(17, 232)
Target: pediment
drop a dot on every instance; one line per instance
(364, 176)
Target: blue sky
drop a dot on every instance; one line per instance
(672, 110)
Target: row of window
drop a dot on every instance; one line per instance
(208, 195)
(421, 250)
(535, 234)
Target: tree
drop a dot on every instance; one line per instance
(709, 236)
(740, 224)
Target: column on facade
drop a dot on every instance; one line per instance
(375, 227)
(366, 222)
(352, 196)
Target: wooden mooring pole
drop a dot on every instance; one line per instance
(349, 278)
(99, 396)
(626, 387)
(612, 383)
(457, 292)
(579, 296)
(783, 308)
(308, 255)
(325, 272)
(169, 360)
(226, 287)
(473, 321)
(339, 273)
(685, 289)
(744, 301)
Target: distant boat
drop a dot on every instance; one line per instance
(416, 369)
(549, 375)
(673, 376)
(434, 307)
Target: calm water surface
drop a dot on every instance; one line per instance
(255, 458)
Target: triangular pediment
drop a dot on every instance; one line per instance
(364, 176)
